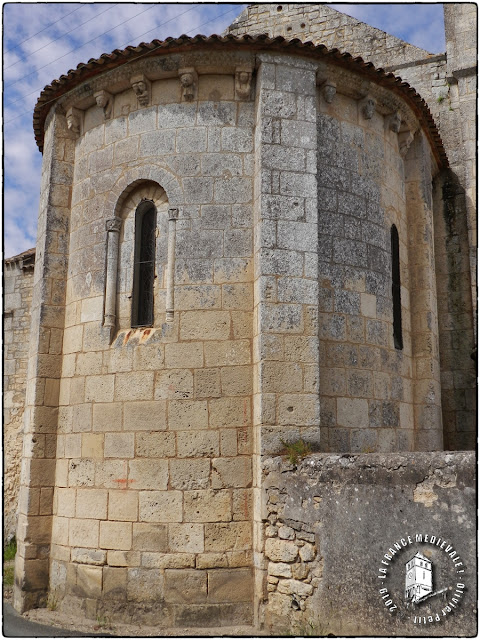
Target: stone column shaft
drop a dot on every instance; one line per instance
(172, 217)
(113, 228)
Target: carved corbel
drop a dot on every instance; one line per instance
(329, 90)
(368, 106)
(142, 88)
(189, 83)
(393, 122)
(405, 139)
(243, 83)
(105, 101)
(74, 120)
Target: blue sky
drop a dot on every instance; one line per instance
(42, 41)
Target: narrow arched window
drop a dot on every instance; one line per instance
(397, 304)
(144, 264)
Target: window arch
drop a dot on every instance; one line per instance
(397, 303)
(136, 260)
(144, 264)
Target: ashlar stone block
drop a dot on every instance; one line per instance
(228, 536)
(91, 503)
(194, 444)
(119, 445)
(187, 414)
(230, 585)
(189, 474)
(185, 586)
(116, 535)
(123, 505)
(161, 506)
(352, 413)
(207, 506)
(144, 416)
(156, 444)
(149, 537)
(186, 538)
(231, 472)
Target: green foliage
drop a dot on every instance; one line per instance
(440, 99)
(104, 622)
(8, 574)
(295, 451)
(10, 550)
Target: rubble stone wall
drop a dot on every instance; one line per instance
(329, 520)
(18, 285)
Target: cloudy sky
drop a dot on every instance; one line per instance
(42, 41)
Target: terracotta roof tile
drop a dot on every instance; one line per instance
(120, 57)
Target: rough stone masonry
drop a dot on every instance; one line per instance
(245, 242)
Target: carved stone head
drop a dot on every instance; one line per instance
(243, 82)
(141, 88)
(73, 116)
(329, 90)
(188, 81)
(394, 122)
(368, 105)
(105, 101)
(405, 139)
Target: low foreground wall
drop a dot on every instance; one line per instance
(340, 529)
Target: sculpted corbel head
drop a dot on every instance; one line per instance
(394, 122)
(243, 83)
(188, 82)
(141, 87)
(405, 139)
(329, 91)
(105, 101)
(74, 119)
(368, 106)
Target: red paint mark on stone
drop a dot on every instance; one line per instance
(124, 482)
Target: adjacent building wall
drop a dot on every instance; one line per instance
(18, 282)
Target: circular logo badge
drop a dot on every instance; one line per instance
(421, 577)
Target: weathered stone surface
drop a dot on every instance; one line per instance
(273, 191)
(280, 550)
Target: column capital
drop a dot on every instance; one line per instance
(113, 224)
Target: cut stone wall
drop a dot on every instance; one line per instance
(447, 82)
(329, 520)
(18, 283)
(276, 176)
(152, 512)
(321, 24)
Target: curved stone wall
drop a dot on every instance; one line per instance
(153, 499)
(275, 179)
